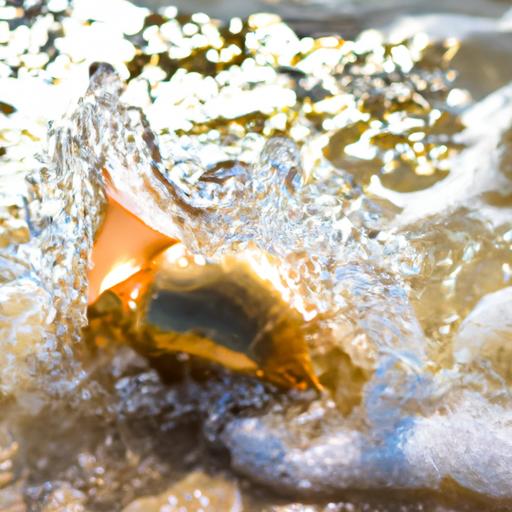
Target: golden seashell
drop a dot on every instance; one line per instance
(228, 312)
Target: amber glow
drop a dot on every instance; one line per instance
(203, 347)
(124, 245)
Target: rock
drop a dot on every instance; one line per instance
(198, 492)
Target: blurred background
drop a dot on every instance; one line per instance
(486, 25)
(313, 10)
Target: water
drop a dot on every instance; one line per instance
(395, 251)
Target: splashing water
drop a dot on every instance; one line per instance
(352, 286)
(405, 295)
